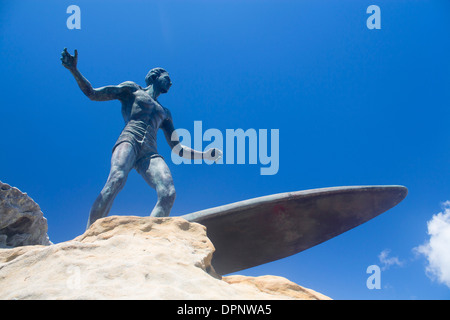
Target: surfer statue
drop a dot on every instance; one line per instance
(136, 146)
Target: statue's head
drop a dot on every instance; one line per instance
(158, 77)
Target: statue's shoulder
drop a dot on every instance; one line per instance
(168, 114)
(130, 85)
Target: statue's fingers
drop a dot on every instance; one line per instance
(76, 53)
(64, 55)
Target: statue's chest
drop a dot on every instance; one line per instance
(149, 106)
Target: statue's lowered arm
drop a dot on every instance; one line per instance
(173, 140)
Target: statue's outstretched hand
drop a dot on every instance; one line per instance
(69, 61)
(214, 154)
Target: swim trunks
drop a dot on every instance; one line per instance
(142, 137)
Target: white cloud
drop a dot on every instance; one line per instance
(437, 248)
(388, 261)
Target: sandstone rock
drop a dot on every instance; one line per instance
(127, 257)
(21, 220)
(277, 286)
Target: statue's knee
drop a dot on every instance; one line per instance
(172, 194)
(117, 179)
(168, 195)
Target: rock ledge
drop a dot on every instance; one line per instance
(128, 257)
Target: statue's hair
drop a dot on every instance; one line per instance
(153, 74)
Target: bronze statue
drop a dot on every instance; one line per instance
(136, 145)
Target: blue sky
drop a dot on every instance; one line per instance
(353, 106)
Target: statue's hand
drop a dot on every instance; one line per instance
(69, 61)
(213, 154)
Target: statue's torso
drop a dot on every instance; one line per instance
(143, 116)
(140, 106)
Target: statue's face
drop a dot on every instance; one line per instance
(164, 83)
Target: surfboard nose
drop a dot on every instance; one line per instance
(402, 191)
(393, 194)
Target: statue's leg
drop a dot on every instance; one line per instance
(157, 174)
(122, 161)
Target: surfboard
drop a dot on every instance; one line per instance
(252, 232)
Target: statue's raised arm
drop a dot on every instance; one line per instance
(99, 94)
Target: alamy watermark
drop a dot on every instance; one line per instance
(374, 280)
(240, 146)
(374, 20)
(74, 20)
